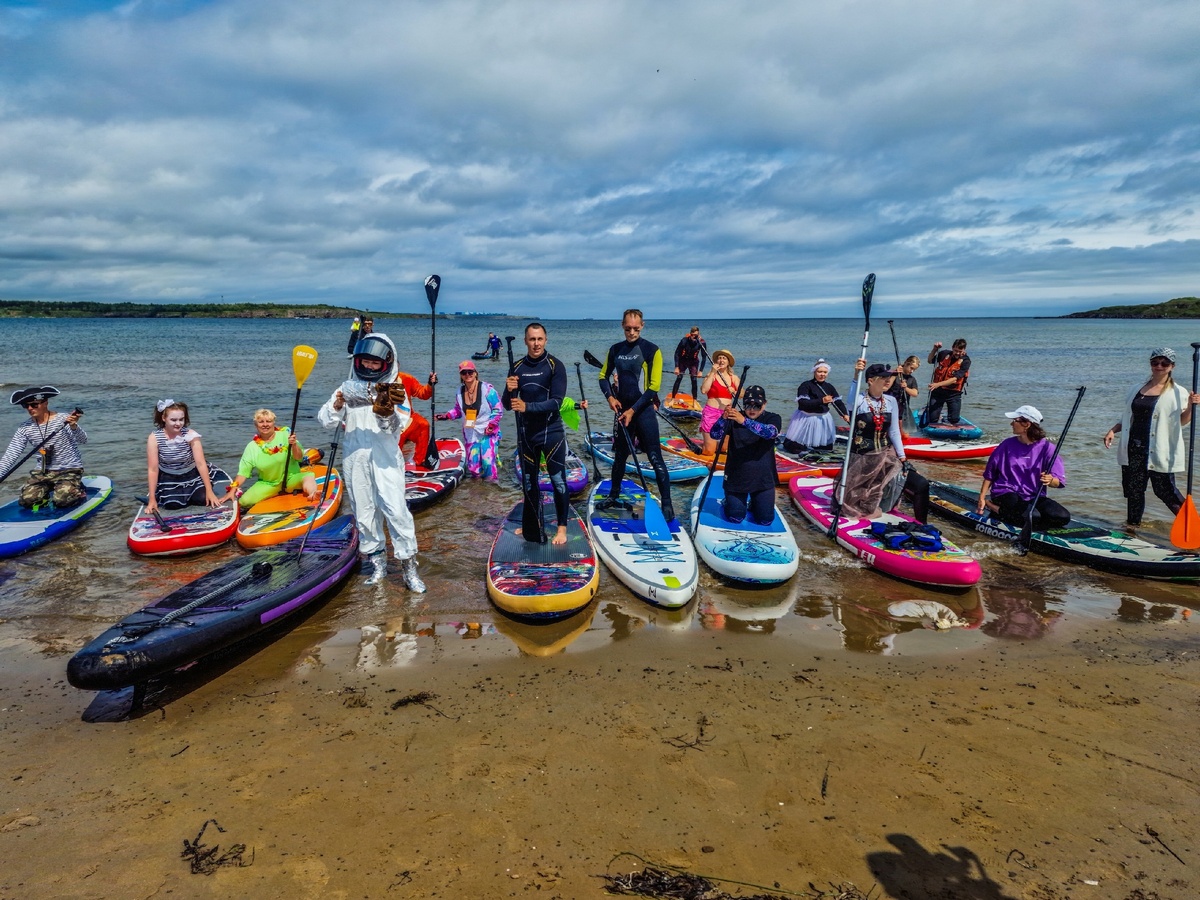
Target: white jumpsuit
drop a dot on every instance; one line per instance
(373, 466)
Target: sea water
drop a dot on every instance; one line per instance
(225, 369)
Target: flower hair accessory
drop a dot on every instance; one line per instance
(164, 404)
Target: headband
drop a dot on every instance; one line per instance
(820, 364)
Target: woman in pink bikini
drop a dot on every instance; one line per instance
(719, 386)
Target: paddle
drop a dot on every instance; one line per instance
(1027, 530)
(433, 284)
(526, 472)
(839, 492)
(324, 489)
(28, 456)
(1185, 532)
(304, 359)
(159, 520)
(717, 453)
(586, 421)
(692, 445)
(895, 346)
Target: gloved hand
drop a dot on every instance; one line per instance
(492, 428)
(386, 398)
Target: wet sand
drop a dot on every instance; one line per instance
(1065, 767)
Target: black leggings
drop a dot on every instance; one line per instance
(555, 451)
(1133, 484)
(644, 429)
(679, 380)
(1046, 515)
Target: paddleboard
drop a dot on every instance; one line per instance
(1082, 542)
(188, 530)
(22, 530)
(424, 487)
(742, 551)
(230, 604)
(600, 445)
(950, 567)
(682, 406)
(823, 462)
(947, 451)
(786, 467)
(577, 473)
(663, 573)
(286, 516)
(485, 354)
(965, 430)
(542, 581)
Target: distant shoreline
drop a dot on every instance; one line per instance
(20, 309)
(1179, 308)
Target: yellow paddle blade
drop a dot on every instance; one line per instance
(304, 359)
(1185, 533)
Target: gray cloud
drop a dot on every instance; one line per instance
(751, 158)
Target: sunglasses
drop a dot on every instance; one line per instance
(1161, 362)
(467, 374)
(1022, 420)
(632, 327)
(752, 405)
(30, 404)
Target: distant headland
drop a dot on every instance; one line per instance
(50, 309)
(1179, 308)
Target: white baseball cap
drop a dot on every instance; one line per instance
(1026, 412)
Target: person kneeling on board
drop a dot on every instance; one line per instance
(59, 476)
(1016, 472)
(750, 474)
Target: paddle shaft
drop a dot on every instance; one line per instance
(1027, 531)
(692, 445)
(525, 475)
(1192, 422)
(895, 346)
(587, 422)
(839, 494)
(433, 284)
(712, 469)
(324, 489)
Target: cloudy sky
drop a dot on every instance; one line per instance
(572, 158)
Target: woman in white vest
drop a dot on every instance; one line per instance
(1151, 447)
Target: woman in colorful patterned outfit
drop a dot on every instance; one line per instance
(478, 404)
(1151, 447)
(179, 475)
(719, 386)
(267, 454)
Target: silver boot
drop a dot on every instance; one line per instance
(408, 571)
(378, 566)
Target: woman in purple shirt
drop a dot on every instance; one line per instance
(1017, 469)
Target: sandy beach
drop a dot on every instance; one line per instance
(1052, 769)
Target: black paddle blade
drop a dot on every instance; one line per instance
(591, 360)
(868, 291)
(433, 284)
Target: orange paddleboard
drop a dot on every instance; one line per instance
(285, 516)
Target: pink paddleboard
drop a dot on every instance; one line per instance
(949, 567)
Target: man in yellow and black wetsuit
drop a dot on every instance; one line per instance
(633, 360)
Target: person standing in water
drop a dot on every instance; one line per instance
(633, 361)
(534, 390)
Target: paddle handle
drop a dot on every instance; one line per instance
(839, 492)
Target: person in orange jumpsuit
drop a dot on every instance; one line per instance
(418, 429)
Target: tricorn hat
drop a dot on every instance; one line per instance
(45, 392)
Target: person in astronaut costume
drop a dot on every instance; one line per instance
(372, 464)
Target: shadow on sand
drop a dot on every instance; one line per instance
(914, 872)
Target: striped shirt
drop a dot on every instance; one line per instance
(175, 454)
(63, 447)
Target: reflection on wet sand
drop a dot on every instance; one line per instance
(549, 638)
(871, 625)
(1019, 614)
(747, 611)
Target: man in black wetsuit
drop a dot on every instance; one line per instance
(630, 361)
(534, 390)
(688, 358)
(359, 330)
